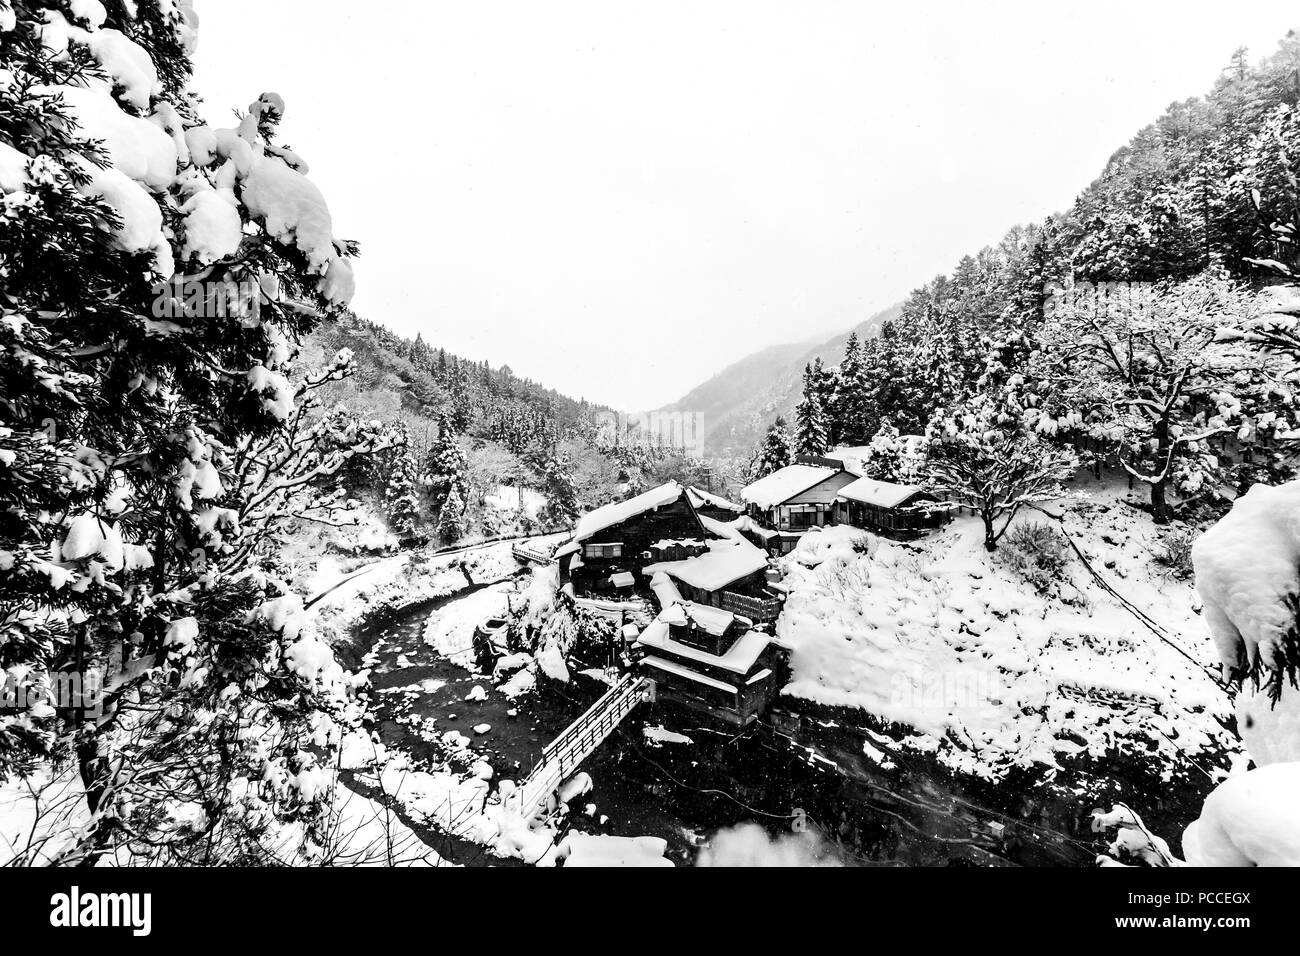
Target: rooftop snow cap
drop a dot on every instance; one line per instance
(782, 485)
(704, 499)
(882, 494)
(596, 521)
(717, 567)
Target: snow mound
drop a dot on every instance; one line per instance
(1248, 575)
(583, 850)
(1249, 820)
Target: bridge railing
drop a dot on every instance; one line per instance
(576, 742)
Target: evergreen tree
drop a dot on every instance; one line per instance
(775, 452)
(400, 497)
(885, 457)
(153, 443)
(446, 468)
(451, 518)
(561, 496)
(810, 418)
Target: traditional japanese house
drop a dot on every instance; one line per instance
(709, 505)
(730, 574)
(710, 661)
(796, 498)
(621, 538)
(887, 507)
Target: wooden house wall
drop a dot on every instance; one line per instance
(740, 708)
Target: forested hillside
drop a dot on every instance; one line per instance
(1121, 329)
(510, 455)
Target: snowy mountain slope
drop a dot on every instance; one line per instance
(742, 400)
(952, 647)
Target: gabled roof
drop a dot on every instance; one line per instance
(701, 499)
(593, 522)
(882, 494)
(783, 484)
(738, 659)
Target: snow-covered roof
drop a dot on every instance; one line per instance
(700, 498)
(738, 659)
(623, 579)
(747, 525)
(665, 590)
(782, 485)
(882, 494)
(593, 522)
(723, 563)
(723, 529)
(678, 542)
(585, 850)
(851, 456)
(711, 620)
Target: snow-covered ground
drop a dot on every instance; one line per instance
(511, 499)
(953, 648)
(450, 629)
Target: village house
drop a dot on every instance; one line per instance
(820, 490)
(795, 498)
(611, 545)
(887, 507)
(708, 659)
(708, 648)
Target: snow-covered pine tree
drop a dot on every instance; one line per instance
(137, 520)
(401, 498)
(885, 457)
(811, 436)
(446, 468)
(774, 454)
(852, 398)
(451, 518)
(561, 495)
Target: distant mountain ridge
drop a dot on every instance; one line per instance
(738, 403)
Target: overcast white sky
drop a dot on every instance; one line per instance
(619, 199)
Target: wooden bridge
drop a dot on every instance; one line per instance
(528, 555)
(563, 755)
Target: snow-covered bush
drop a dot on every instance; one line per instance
(1038, 552)
(1174, 551)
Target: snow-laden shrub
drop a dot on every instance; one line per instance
(1174, 552)
(1037, 552)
